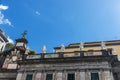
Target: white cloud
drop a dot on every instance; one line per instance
(38, 13)
(10, 40)
(3, 20)
(2, 7)
(6, 21)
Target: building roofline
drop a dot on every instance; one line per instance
(96, 42)
(91, 44)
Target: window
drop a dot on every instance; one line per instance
(94, 76)
(29, 77)
(71, 76)
(49, 77)
(115, 76)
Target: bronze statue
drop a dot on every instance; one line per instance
(24, 34)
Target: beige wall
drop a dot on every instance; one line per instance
(115, 47)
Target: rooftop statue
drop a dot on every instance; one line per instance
(103, 45)
(81, 46)
(44, 49)
(62, 48)
(24, 34)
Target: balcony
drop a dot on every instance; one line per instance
(69, 54)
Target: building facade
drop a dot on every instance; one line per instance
(61, 67)
(72, 62)
(3, 40)
(113, 45)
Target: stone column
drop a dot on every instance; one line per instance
(87, 75)
(24, 76)
(55, 76)
(77, 75)
(101, 75)
(64, 75)
(107, 75)
(59, 75)
(34, 75)
(82, 75)
(43, 77)
(38, 76)
(19, 76)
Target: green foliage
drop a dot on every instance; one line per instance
(9, 46)
(32, 52)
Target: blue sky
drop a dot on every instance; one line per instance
(56, 22)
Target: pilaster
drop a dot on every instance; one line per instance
(87, 75)
(77, 75)
(43, 77)
(59, 75)
(82, 75)
(55, 75)
(64, 75)
(19, 76)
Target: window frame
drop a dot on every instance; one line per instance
(29, 74)
(95, 73)
(70, 74)
(49, 74)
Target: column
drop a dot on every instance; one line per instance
(77, 75)
(64, 75)
(101, 75)
(87, 75)
(107, 75)
(37, 76)
(59, 75)
(34, 75)
(55, 75)
(19, 76)
(43, 77)
(82, 75)
(24, 76)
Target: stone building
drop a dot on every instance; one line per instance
(3, 40)
(72, 62)
(113, 45)
(9, 58)
(62, 67)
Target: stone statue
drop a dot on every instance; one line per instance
(44, 49)
(102, 45)
(62, 48)
(81, 46)
(24, 34)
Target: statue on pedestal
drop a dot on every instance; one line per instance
(24, 34)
